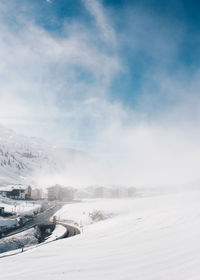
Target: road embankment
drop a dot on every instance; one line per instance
(66, 232)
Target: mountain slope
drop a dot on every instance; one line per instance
(21, 158)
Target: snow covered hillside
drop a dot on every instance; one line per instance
(149, 238)
(23, 158)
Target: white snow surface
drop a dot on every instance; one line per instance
(19, 207)
(149, 238)
(58, 232)
(19, 240)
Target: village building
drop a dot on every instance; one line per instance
(115, 192)
(28, 192)
(34, 193)
(54, 192)
(131, 191)
(21, 192)
(2, 211)
(13, 192)
(93, 192)
(60, 193)
(99, 192)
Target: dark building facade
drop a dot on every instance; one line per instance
(2, 211)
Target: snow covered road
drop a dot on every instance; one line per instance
(150, 238)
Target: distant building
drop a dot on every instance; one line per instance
(21, 192)
(34, 193)
(28, 192)
(131, 191)
(54, 193)
(94, 191)
(60, 193)
(122, 191)
(115, 192)
(67, 194)
(99, 192)
(13, 192)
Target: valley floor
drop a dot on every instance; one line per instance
(149, 238)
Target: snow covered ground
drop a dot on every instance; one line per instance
(58, 232)
(19, 207)
(22, 239)
(144, 238)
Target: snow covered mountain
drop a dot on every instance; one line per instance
(21, 157)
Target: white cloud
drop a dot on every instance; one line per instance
(99, 13)
(39, 81)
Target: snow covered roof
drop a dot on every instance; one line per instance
(12, 187)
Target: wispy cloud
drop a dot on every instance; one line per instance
(50, 75)
(102, 21)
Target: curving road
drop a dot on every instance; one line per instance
(39, 219)
(71, 230)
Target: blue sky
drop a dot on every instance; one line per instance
(170, 26)
(147, 39)
(117, 79)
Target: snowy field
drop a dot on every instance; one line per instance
(144, 238)
(22, 239)
(19, 207)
